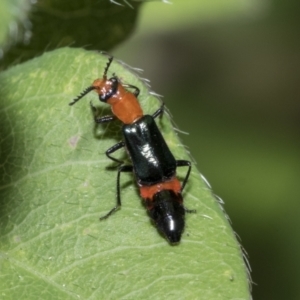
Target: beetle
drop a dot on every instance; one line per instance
(153, 164)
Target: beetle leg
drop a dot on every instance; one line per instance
(100, 120)
(113, 149)
(159, 112)
(118, 205)
(136, 91)
(184, 163)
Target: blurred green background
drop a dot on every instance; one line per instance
(229, 73)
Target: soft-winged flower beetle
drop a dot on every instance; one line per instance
(153, 163)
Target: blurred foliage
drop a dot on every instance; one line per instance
(51, 24)
(232, 82)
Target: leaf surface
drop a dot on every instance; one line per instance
(54, 186)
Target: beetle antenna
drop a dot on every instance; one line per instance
(110, 59)
(86, 91)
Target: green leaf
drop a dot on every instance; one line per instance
(13, 14)
(55, 185)
(52, 24)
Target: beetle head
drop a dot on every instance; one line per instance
(106, 88)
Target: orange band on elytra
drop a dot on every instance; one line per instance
(147, 192)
